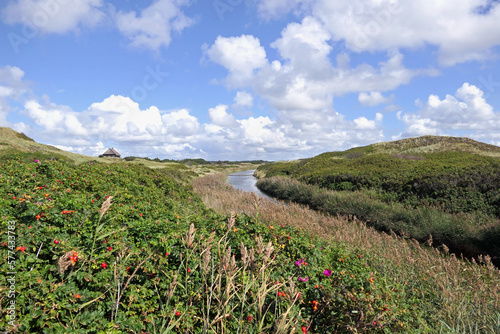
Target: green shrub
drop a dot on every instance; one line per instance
(461, 233)
(111, 248)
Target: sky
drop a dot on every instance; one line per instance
(246, 80)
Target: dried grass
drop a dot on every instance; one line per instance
(461, 285)
(65, 263)
(105, 206)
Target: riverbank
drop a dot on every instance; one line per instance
(455, 295)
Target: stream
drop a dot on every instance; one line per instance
(247, 182)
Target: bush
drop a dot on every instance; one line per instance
(110, 248)
(460, 233)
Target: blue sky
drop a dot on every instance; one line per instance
(255, 79)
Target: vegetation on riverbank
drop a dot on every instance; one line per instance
(451, 196)
(452, 295)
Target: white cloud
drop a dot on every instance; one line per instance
(12, 88)
(462, 31)
(153, 27)
(54, 119)
(180, 124)
(362, 123)
(243, 99)
(219, 116)
(305, 45)
(240, 55)
(306, 79)
(119, 122)
(466, 111)
(301, 87)
(372, 99)
(54, 16)
(5, 91)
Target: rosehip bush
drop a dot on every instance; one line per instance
(112, 248)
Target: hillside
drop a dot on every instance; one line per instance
(441, 186)
(425, 144)
(12, 141)
(435, 144)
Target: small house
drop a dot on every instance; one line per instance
(111, 153)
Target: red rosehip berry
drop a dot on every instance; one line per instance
(104, 265)
(22, 248)
(56, 241)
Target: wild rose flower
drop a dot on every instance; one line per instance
(299, 263)
(327, 272)
(304, 279)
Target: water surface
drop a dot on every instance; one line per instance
(246, 181)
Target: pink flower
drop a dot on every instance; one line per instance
(327, 272)
(303, 279)
(298, 263)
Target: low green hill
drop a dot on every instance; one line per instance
(429, 144)
(441, 186)
(12, 141)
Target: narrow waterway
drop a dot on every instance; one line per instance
(246, 181)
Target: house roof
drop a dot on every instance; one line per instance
(111, 151)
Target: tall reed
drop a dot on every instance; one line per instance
(465, 295)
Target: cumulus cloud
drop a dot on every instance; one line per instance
(466, 111)
(243, 99)
(219, 116)
(118, 121)
(302, 85)
(372, 99)
(462, 31)
(12, 88)
(240, 55)
(152, 28)
(54, 16)
(305, 46)
(54, 119)
(305, 79)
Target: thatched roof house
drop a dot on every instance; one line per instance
(111, 153)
